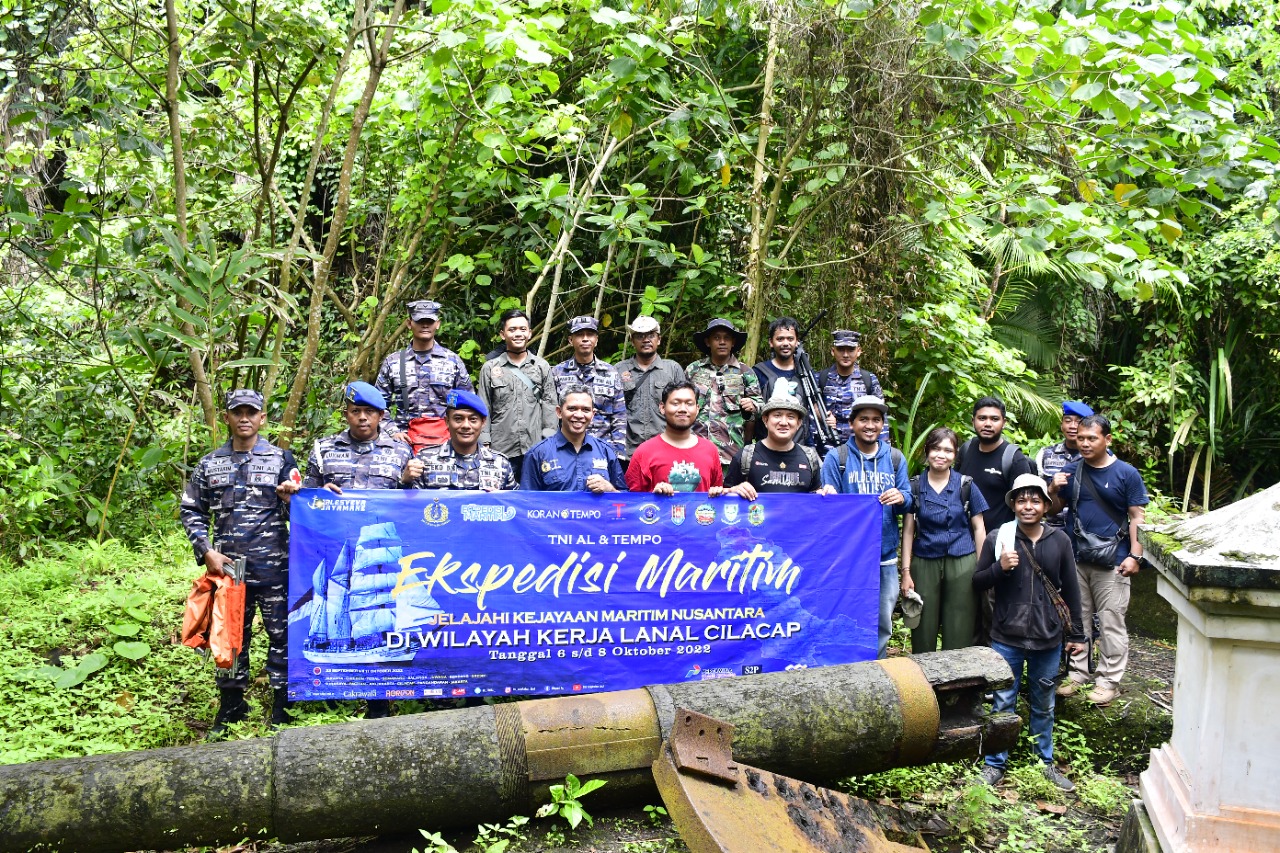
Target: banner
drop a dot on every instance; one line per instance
(430, 594)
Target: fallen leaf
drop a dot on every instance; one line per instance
(1010, 795)
(1053, 808)
(126, 700)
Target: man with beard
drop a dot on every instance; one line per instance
(417, 379)
(994, 464)
(776, 463)
(362, 457)
(1052, 459)
(677, 459)
(461, 462)
(644, 375)
(518, 389)
(583, 368)
(728, 392)
(782, 341)
(991, 461)
(571, 460)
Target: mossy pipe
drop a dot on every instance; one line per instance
(461, 767)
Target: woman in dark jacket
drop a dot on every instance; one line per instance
(1025, 628)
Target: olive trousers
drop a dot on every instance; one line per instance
(946, 587)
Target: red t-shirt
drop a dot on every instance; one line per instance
(652, 462)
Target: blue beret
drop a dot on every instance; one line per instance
(1075, 407)
(459, 399)
(364, 394)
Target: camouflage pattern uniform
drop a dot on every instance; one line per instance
(721, 391)
(429, 376)
(610, 420)
(443, 468)
(239, 489)
(521, 413)
(351, 464)
(839, 392)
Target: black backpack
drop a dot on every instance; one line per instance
(1006, 456)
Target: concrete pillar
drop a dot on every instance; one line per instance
(1215, 786)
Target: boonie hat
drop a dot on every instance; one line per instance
(845, 338)
(243, 397)
(1075, 407)
(424, 309)
(700, 338)
(1027, 481)
(643, 326)
(459, 399)
(782, 400)
(586, 321)
(364, 394)
(912, 608)
(869, 401)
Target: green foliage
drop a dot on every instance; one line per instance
(69, 684)
(565, 800)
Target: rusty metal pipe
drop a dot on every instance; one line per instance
(461, 767)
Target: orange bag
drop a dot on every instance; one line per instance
(214, 618)
(426, 432)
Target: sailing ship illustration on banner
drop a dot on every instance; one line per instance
(353, 606)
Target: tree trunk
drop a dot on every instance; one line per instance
(758, 247)
(341, 207)
(194, 357)
(300, 215)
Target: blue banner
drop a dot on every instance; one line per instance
(437, 594)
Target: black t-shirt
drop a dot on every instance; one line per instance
(984, 468)
(772, 471)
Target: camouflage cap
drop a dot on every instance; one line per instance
(424, 309)
(243, 397)
(845, 338)
(584, 323)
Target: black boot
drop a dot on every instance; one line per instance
(280, 706)
(377, 709)
(231, 709)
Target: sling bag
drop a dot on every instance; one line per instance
(1090, 547)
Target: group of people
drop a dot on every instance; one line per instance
(1050, 542)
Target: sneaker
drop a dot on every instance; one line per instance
(991, 775)
(1054, 775)
(1070, 686)
(1102, 695)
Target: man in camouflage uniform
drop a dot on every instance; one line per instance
(462, 462)
(245, 487)
(362, 457)
(1052, 459)
(728, 390)
(843, 382)
(416, 379)
(610, 421)
(517, 388)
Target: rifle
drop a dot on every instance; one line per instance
(810, 394)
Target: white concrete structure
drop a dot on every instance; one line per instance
(1216, 785)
